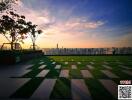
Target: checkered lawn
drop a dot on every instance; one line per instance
(62, 87)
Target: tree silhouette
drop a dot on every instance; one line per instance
(33, 33)
(6, 4)
(14, 28)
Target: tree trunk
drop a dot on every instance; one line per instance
(12, 46)
(34, 46)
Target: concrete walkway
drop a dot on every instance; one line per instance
(9, 85)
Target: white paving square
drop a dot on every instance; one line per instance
(43, 73)
(125, 67)
(106, 62)
(86, 74)
(119, 62)
(29, 66)
(42, 66)
(41, 62)
(53, 62)
(78, 62)
(111, 86)
(90, 67)
(73, 66)
(44, 90)
(66, 63)
(92, 63)
(109, 74)
(79, 90)
(127, 72)
(64, 73)
(57, 66)
(107, 67)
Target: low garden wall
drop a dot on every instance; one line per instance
(12, 57)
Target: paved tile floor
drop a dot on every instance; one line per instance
(14, 78)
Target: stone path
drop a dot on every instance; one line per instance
(127, 72)
(10, 85)
(43, 73)
(86, 74)
(111, 86)
(42, 66)
(79, 90)
(107, 67)
(109, 74)
(90, 67)
(57, 66)
(21, 73)
(28, 66)
(64, 73)
(44, 90)
(73, 66)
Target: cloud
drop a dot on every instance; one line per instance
(82, 23)
(40, 17)
(73, 26)
(52, 26)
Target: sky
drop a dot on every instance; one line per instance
(79, 23)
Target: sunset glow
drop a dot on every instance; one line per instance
(79, 23)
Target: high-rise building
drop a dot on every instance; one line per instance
(57, 46)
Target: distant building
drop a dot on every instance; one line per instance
(57, 46)
(87, 51)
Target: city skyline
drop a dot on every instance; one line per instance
(79, 23)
